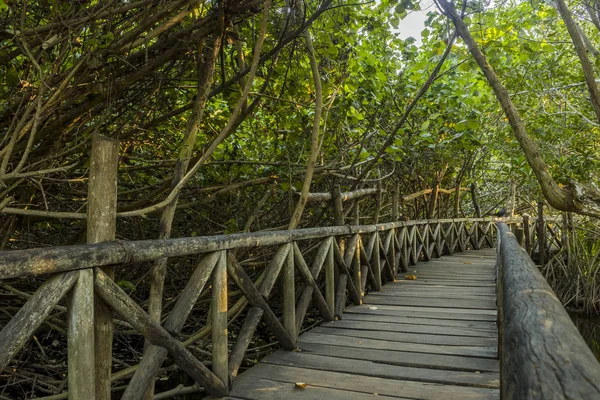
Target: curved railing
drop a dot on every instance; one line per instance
(329, 266)
(542, 355)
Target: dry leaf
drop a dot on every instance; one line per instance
(372, 308)
(468, 262)
(411, 277)
(300, 385)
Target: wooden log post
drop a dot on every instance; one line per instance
(541, 231)
(542, 355)
(527, 234)
(219, 319)
(376, 257)
(330, 278)
(82, 325)
(101, 227)
(289, 295)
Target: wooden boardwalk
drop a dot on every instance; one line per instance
(431, 338)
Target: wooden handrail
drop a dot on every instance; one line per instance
(19, 263)
(542, 355)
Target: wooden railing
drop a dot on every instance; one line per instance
(542, 355)
(539, 236)
(327, 267)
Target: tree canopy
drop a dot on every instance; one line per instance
(229, 112)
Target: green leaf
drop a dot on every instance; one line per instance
(123, 284)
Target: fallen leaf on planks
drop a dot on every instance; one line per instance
(372, 308)
(300, 385)
(411, 277)
(468, 262)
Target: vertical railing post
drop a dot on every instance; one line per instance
(219, 319)
(83, 350)
(330, 277)
(376, 257)
(289, 296)
(541, 227)
(101, 227)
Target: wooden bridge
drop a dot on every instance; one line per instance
(408, 311)
(430, 338)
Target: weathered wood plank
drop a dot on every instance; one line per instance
(370, 385)
(480, 325)
(369, 368)
(406, 337)
(425, 288)
(266, 389)
(382, 326)
(365, 343)
(430, 302)
(405, 358)
(439, 296)
(442, 294)
(428, 311)
(454, 283)
(442, 317)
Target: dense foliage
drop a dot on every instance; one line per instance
(131, 70)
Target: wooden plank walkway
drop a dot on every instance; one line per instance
(433, 338)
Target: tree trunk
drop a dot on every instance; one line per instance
(575, 197)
